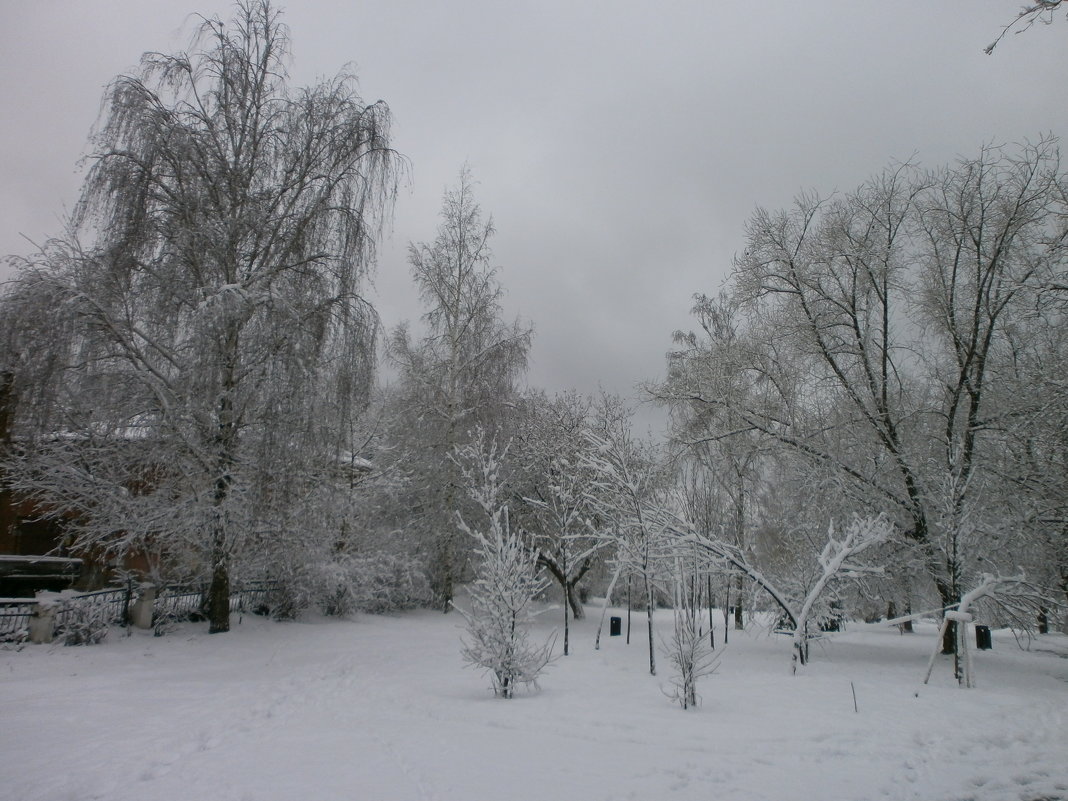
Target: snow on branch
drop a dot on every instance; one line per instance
(1018, 599)
(837, 559)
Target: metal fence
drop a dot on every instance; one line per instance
(100, 608)
(253, 596)
(15, 619)
(111, 606)
(178, 603)
(183, 603)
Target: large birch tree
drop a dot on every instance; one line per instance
(210, 289)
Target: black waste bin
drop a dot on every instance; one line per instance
(982, 638)
(615, 626)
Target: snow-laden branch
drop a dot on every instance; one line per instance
(837, 560)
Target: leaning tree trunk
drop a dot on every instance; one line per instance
(578, 612)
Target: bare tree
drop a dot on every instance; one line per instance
(873, 325)
(692, 656)
(211, 292)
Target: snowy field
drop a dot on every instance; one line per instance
(382, 708)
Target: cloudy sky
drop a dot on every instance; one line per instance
(620, 146)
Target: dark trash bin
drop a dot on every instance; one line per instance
(615, 626)
(982, 638)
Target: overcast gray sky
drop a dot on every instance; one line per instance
(620, 146)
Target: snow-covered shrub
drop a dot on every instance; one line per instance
(689, 649)
(691, 657)
(376, 583)
(292, 592)
(347, 583)
(506, 581)
(82, 627)
(384, 582)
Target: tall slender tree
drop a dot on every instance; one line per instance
(460, 373)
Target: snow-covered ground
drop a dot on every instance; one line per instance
(382, 708)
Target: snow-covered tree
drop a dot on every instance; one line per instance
(507, 577)
(460, 373)
(214, 342)
(1015, 598)
(556, 502)
(836, 560)
(629, 491)
(872, 330)
(720, 449)
(691, 653)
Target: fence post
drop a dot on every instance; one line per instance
(141, 609)
(43, 618)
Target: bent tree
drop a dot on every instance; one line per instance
(212, 275)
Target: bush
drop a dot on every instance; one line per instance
(376, 583)
(83, 628)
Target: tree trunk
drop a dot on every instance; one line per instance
(225, 446)
(649, 618)
(711, 626)
(726, 611)
(445, 566)
(949, 640)
(219, 596)
(739, 624)
(573, 599)
(567, 623)
(446, 552)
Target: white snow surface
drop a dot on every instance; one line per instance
(382, 708)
